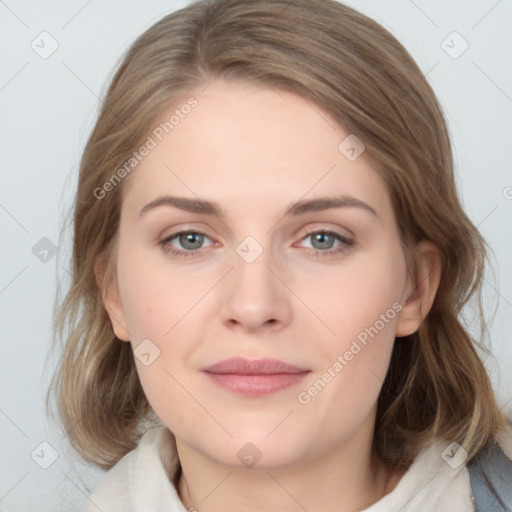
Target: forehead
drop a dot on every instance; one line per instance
(243, 144)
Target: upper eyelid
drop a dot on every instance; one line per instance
(323, 225)
(347, 240)
(326, 230)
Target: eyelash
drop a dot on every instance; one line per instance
(346, 243)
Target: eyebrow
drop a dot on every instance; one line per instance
(302, 207)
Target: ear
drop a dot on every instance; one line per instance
(103, 271)
(419, 294)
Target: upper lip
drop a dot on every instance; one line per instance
(242, 366)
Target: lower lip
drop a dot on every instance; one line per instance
(256, 385)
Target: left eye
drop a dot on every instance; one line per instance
(324, 239)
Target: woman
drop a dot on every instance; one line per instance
(270, 258)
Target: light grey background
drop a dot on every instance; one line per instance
(48, 107)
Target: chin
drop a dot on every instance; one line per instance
(259, 450)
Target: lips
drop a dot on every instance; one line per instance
(254, 377)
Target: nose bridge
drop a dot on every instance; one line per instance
(254, 296)
(252, 279)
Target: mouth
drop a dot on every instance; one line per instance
(254, 377)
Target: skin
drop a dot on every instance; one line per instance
(255, 151)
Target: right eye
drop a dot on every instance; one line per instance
(190, 241)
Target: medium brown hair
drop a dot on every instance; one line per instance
(348, 65)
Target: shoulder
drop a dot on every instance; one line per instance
(442, 478)
(111, 493)
(437, 479)
(137, 482)
(504, 439)
(491, 474)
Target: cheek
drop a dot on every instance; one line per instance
(356, 298)
(360, 306)
(157, 296)
(342, 394)
(159, 302)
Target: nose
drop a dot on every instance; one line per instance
(254, 296)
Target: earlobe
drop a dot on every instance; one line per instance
(420, 293)
(110, 295)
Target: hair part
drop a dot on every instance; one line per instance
(351, 67)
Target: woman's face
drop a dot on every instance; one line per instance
(292, 254)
